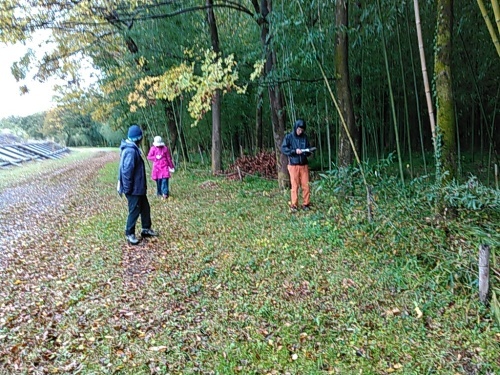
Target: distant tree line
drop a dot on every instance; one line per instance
(71, 130)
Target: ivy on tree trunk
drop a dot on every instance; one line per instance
(444, 91)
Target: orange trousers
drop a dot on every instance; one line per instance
(299, 177)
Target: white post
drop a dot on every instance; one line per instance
(484, 272)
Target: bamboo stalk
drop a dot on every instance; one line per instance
(491, 138)
(482, 120)
(496, 12)
(424, 73)
(405, 97)
(363, 116)
(318, 121)
(391, 95)
(473, 131)
(459, 150)
(496, 176)
(328, 139)
(491, 30)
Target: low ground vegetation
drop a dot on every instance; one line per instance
(235, 284)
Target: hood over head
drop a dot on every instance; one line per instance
(299, 124)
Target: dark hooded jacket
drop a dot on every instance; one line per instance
(132, 172)
(292, 142)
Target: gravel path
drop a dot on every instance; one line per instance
(27, 209)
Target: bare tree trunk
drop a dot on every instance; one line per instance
(444, 92)
(345, 153)
(171, 126)
(275, 97)
(258, 121)
(216, 100)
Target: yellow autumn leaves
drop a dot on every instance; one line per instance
(216, 73)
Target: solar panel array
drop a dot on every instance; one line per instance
(14, 154)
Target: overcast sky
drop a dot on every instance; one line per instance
(39, 98)
(11, 101)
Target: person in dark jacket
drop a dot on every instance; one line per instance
(132, 183)
(293, 146)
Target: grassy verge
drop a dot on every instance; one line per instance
(237, 285)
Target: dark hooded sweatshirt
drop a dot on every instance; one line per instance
(292, 142)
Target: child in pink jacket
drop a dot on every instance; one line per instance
(159, 154)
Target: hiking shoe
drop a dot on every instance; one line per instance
(306, 207)
(293, 209)
(132, 239)
(148, 233)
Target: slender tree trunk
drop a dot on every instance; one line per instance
(444, 92)
(417, 101)
(216, 100)
(424, 73)
(358, 90)
(275, 96)
(494, 36)
(328, 135)
(171, 125)
(345, 153)
(319, 131)
(258, 121)
(473, 131)
(391, 98)
(406, 115)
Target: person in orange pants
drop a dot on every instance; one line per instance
(293, 146)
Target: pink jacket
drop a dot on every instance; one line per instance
(161, 164)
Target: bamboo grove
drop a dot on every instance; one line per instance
(227, 77)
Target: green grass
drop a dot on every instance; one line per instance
(235, 284)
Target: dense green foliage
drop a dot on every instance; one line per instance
(138, 39)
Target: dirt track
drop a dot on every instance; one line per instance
(28, 209)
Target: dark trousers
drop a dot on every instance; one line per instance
(138, 205)
(162, 186)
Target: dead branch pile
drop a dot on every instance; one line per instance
(263, 165)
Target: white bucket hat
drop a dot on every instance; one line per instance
(158, 141)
